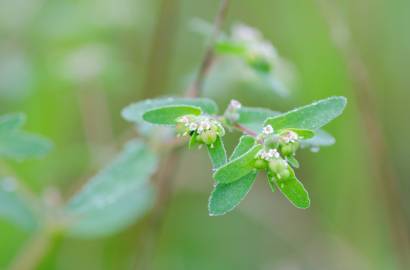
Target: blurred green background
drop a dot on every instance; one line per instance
(71, 66)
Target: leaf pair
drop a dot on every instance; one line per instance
(235, 178)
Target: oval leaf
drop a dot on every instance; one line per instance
(293, 190)
(237, 168)
(11, 122)
(312, 116)
(117, 196)
(16, 207)
(245, 143)
(21, 145)
(217, 153)
(225, 197)
(134, 112)
(168, 115)
(321, 138)
(254, 118)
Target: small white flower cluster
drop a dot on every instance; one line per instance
(268, 154)
(267, 130)
(255, 42)
(235, 105)
(200, 124)
(231, 113)
(289, 137)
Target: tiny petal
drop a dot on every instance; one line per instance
(235, 105)
(267, 130)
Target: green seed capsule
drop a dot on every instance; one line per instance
(287, 149)
(276, 165)
(208, 137)
(290, 148)
(260, 164)
(280, 167)
(271, 142)
(198, 139)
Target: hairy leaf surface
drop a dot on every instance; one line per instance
(168, 115)
(312, 116)
(134, 112)
(117, 196)
(217, 153)
(237, 168)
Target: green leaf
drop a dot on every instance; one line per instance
(15, 205)
(230, 47)
(254, 118)
(11, 122)
(312, 116)
(271, 181)
(293, 161)
(245, 143)
(193, 141)
(217, 153)
(115, 198)
(322, 138)
(134, 112)
(293, 190)
(21, 145)
(17, 144)
(225, 197)
(238, 167)
(168, 115)
(303, 133)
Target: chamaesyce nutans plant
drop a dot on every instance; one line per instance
(269, 142)
(123, 191)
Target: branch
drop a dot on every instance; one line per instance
(196, 88)
(245, 130)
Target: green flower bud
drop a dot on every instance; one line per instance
(208, 137)
(260, 164)
(198, 139)
(287, 149)
(290, 148)
(271, 142)
(279, 167)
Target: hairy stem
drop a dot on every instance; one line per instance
(245, 130)
(197, 86)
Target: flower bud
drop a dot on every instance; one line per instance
(290, 148)
(271, 142)
(260, 164)
(280, 167)
(208, 137)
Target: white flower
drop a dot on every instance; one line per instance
(290, 137)
(204, 125)
(184, 120)
(269, 155)
(244, 33)
(193, 126)
(264, 49)
(267, 130)
(235, 105)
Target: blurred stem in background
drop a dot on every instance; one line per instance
(162, 43)
(379, 161)
(165, 178)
